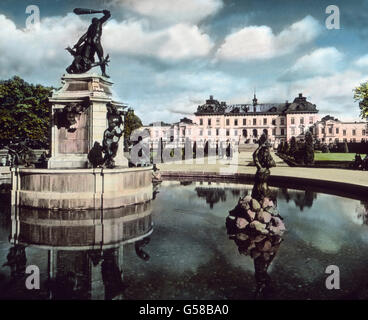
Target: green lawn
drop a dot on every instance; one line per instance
(318, 156)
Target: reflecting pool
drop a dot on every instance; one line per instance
(177, 247)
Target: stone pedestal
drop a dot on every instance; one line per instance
(79, 119)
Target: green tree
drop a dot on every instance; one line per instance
(361, 95)
(24, 110)
(325, 148)
(132, 122)
(299, 154)
(293, 147)
(280, 147)
(346, 148)
(308, 149)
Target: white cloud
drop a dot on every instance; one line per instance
(322, 61)
(173, 11)
(40, 49)
(180, 41)
(332, 86)
(362, 62)
(158, 93)
(187, 91)
(333, 93)
(259, 42)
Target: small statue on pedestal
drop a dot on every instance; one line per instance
(263, 161)
(111, 141)
(111, 138)
(95, 155)
(20, 153)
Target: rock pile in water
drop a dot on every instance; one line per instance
(256, 218)
(256, 227)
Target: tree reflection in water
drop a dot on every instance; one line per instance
(302, 199)
(212, 195)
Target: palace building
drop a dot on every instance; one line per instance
(243, 124)
(331, 130)
(246, 122)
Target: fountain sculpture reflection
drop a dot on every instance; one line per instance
(83, 250)
(255, 224)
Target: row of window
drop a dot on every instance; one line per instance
(254, 121)
(244, 132)
(337, 140)
(337, 130)
(244, 122)
(301, 120)
(293, 131)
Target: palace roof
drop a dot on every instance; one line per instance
(299, 105)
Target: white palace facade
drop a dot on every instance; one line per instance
(243, 124)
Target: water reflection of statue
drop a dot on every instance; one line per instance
(139, 248)
(255, 224)
(84, 251)
(16, 260)
(89, 44)
(111, 274)
(262, 249)
(257, 229)
(74, 272)
(67, 286)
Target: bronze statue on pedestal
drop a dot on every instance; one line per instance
(89, 44)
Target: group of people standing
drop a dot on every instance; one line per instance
(359, 163)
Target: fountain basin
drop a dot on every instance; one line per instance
(67, 189)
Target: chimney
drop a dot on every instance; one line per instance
(211, 97)
(300, 95)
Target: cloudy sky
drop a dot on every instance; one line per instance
(167, 56)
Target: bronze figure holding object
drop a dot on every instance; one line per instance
(88, 45)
